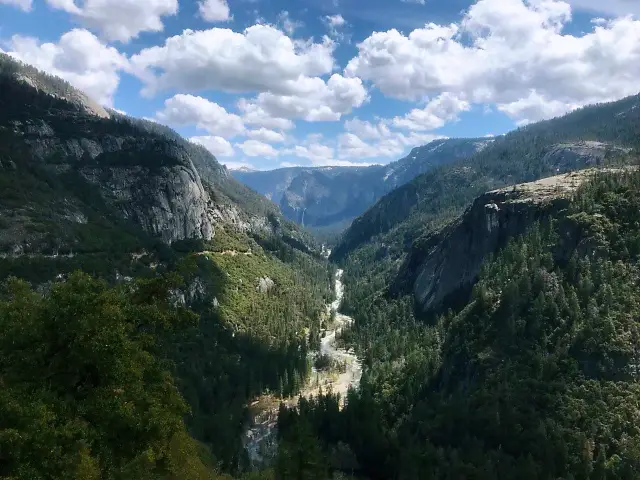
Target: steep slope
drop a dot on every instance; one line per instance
(333, 196)
(446, 263)
(124, 199)
(118, 169)
(552, 328)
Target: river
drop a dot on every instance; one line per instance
(260, 437)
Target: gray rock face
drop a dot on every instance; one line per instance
(448, 262)
(169, 202)
(265, 285)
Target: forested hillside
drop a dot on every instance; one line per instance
(117, 372)
(535, 377)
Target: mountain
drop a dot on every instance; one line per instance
(496, 318)
(330, 197)
(590, 136)
(445, 264)
(169, 239)
(533, 374)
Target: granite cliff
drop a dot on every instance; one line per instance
(446, 263)
(88, 162)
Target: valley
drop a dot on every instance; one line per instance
(327, 199)
(344, 372)
(475, 314)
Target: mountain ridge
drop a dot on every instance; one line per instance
(326, 197)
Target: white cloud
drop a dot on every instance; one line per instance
(119, 20)
(352, 146)
(216, 145)
(254, 114)
(534, 108)
(313, 99)
(265, 135)
(435, 114)
(334, 24)
(511, 53)
(191, 110)
(288, 24)
(366, 129)
(317, 153)
(254, 148)
(25, 5)
(335, 20)
(214, 10)
(390, 145)
(79, 58)
(260, 59)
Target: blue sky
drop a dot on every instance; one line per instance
(269, 83)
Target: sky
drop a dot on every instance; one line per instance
(273, 83)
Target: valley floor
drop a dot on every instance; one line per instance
(260, 438)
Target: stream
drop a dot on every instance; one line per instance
(260, 440)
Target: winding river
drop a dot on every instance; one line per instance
(260, 437)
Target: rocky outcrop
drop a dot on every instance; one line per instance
(265, 285)
(169, 202)
(152, 183)
(447, 263)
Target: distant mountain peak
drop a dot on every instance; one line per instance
(244, 168)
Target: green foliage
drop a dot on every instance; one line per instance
(57, 215)
(536, 377)
(83, 392)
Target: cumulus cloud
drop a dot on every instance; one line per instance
(254, 148)
(534, 107)
(214, 10)
(25, 5)
(119, 20)
(313, 150)
(265, 135)
(317, 153)
(352, 146)
(511, 53)
(437, 113)
(366, 129)
(288, 76)
(260, 59)
(184, 109)
(313, 99)
(254, 114)
(390, 145)
(334, 24)
(79, 58)
(216, 145)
